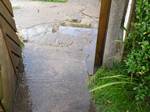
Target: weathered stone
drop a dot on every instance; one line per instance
(55, 28)
(86, 22)
(113, 48)
(82, 24)
(75, 18)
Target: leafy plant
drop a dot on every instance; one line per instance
(140, 30)
(138, 48)
(138, 61)
(126, 88)
(110, 89)
(138, 66)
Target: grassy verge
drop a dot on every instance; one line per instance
(126, 88)
(110, 96)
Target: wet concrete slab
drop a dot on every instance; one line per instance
(57, 66)
(66, 38)
(57, 59)
(33, 12)
(55, 84)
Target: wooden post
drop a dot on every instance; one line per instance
(103, 24)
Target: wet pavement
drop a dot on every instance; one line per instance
(56, 68)
(57, 65)
(72, 40)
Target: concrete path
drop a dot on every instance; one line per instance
(29, 13)
(57, 64)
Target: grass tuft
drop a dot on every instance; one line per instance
(110, 92)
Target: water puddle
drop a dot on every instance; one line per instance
(65, 36)
(36, 30)
(55, 64)
(76, 31)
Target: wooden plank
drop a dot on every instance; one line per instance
(1, 87)
(103, 24)
(15, 62)
(8, 30)
(4, 12)
(9, 78)
(12, 53)
(12, 46)
(13, 59)
(8, 6)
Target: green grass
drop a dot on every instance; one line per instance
(112, 97)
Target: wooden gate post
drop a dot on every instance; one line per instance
(103, 24)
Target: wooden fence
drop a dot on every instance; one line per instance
(10, 56)
(114, 15)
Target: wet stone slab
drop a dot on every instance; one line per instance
(57, 58)
(72, 38)
(55, 80)
(57, 67)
